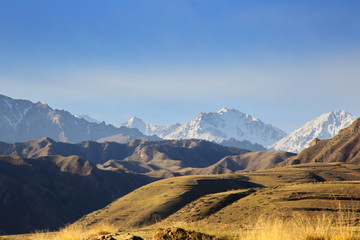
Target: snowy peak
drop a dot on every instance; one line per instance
(325, 126)
(224, 110)
(150, 129)
(87, 118)
(226, 124)
(135, 122)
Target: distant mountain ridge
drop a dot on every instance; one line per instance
(156, 159)
(87, 118)
(218, 126)
(22, 120)
(166, 154)
(150, 129)
(226, 124)
(323, 127)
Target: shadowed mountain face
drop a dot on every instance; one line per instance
(48, 192)
(21, 120)
(171, 154)
(232, 142)
(247, 162)
(344, 147)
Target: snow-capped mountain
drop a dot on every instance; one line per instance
(22, 120)
(226, 124)
(87, 118)
(323, 127)
(150, 129)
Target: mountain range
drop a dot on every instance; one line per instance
(230, 127)
(217, 127)
(22, 120)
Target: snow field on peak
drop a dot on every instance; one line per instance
(226, 124)
(325, 126)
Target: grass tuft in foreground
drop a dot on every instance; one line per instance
(76, 232)
(324, 226)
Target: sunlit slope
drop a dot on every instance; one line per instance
(154, 202)
(308, 199)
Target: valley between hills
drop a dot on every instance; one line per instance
(141, 186)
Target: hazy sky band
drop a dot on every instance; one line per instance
(282, 61)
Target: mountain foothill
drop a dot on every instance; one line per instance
(58, 168)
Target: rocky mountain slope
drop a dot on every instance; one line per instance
(169, 155)
(344, 147)
(22, 120)
(51, 191)
(323, 127)
(226, 124)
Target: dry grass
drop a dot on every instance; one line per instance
(76, 232)
(324, 226)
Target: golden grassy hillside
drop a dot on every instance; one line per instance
(154, 202)
(232, 202)
(310, 202)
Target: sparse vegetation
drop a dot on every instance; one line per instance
(76, 232)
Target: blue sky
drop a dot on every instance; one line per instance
(285, 62)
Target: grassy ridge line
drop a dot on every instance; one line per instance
(154, 202)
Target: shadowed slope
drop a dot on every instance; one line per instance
(170, 154)
(251, 161)
(48, 192)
